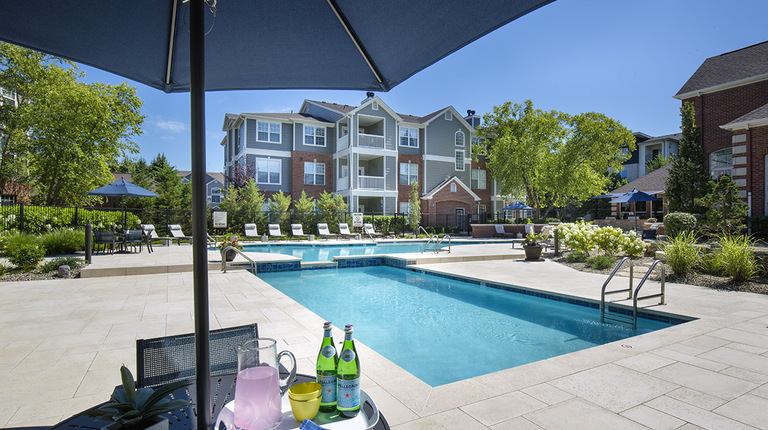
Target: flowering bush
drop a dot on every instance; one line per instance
(233, 243)
(578, 236)
(609, 239)
(633, 245)
(584, 238)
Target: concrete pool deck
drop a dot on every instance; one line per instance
(63, 341)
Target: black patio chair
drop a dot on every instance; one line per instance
(134, 238)
(105, 239)
(172, 358)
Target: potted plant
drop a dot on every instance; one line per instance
(531, 247)
(133, 409)
(230, 254)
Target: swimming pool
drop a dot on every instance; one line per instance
(444, 330)
(321, 252)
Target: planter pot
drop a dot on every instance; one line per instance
(230, 255)
(265, 238)
(532, 252)
(156, 423)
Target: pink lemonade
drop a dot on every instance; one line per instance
(257, 399)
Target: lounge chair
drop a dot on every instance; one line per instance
(368, 229)
(344, 231)
(150, 231)
(323, 231)
(501, 233)
(177, 234)
(274, 231)
(250, 230)
(297, 231)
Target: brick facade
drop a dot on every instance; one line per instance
(298, 158)
(404, 191)
(441, 208)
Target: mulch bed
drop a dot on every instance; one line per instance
(36, 275)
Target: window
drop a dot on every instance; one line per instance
(721, 163)
(448, 116)
(375, 106)
(405, 207)
(268, 171)
(7, 199)
(408, 173)
(314, 136)
(268, 132)
(215, 195)
(409, 137)
(460, 160)
(314, 173)
(481, 210)
(453, 187)
(478, 179)
(459, 138)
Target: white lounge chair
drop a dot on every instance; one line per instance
(274, 231)
(150, 232)
(297, 231)
(344, 231)
(250, 230)
(323, 231)
(368, 229)
(500, 231)
(178, 235)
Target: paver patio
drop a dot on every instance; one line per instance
(62, 342)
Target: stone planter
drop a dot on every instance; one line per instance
(532, 252)
(230, 255)
(265, 238)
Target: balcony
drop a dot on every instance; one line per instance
(370, 141)
(370, 182)
(342, 143)
(342, 183)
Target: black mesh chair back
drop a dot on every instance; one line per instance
(169, 359)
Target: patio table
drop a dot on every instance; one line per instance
(222, 392)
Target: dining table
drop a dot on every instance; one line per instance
(222, 392)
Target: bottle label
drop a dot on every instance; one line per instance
(348, 394)
(328, 351)
(328, 382)
(347, 355)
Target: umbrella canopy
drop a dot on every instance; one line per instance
(265, 44)
(516, 206)
(122, 188)
(635, 196)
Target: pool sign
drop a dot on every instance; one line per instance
(219, 219)
(357, 219)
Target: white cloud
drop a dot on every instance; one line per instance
(171, 126)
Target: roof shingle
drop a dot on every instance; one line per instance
(733, 66)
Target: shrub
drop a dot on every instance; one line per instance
(63, 241)
(575, 257)
(678, 222)
(43, 219)
(601, 262)
(651, 220)
(608, 239)
(682, 253)
(708, 264)
(578, 236)
(53, 264)
(734, 257)
(633, 245)
(759, 225)
(25, 256)
(4, 268)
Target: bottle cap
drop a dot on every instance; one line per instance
(327, 325)
(348, 328)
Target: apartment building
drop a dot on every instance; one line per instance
(729, 93)
(369, 154)
(648, 148)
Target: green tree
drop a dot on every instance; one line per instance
(688, 176)
(63, 135)
(244, 204)
(278, 209)
(331, 207)
(727, 211)
(657, 162)
(414, 208)
(304, 208)
(170, 189)
(553, 158)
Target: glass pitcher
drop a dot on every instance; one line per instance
(258, 405)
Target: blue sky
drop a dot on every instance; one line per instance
(625, 59)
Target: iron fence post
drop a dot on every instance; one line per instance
(88, 239)
(21, 217)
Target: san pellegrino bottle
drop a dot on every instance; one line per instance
(348, 377)
(327, 359)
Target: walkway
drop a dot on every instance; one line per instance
(62, 342)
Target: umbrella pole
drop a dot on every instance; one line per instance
(199, 251)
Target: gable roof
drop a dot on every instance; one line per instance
(441, 185)
(652, 183)
(213, 175)
(673, 136)
(333, 106)
(732, 69)
(756, 118)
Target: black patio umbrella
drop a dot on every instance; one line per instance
(636, 196)
(122, 188)
(265, 44)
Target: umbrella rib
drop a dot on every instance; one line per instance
(170, 43)
(355, 39)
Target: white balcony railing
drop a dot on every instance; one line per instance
(342, 184)
(370, 141)
(370, 182)
(342, 143)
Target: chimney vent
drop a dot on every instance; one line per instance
(470, 112)
(369, 94)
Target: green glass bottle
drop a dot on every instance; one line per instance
(348, 377)
(327, 359)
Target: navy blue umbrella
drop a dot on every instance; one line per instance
(265, 44)
(636, 196)
(122, 188)
(516, 206)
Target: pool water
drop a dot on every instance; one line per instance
(318, 252)
(443, 330)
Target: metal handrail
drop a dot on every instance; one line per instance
(421, 228)
(441, 241)
(607, 281)
(224, 258)
(437, 241)
(652, 296)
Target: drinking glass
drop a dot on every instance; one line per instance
(258, 405)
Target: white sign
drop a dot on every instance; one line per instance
(219, 219)
(357, 219)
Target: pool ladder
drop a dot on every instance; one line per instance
(607, 314)
(436, 241)
(232, 248)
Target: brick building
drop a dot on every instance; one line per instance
(730, 95)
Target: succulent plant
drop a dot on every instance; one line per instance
(135, 408)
